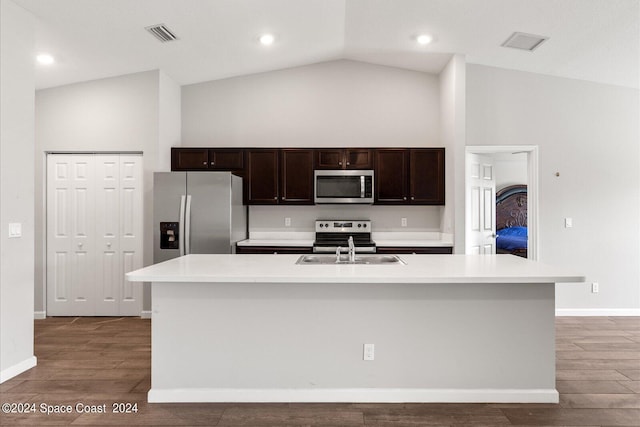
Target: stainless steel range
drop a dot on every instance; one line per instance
(331, 234)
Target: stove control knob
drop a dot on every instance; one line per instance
(321, 225)
(326, 225)
(365, 225)
(359, 225)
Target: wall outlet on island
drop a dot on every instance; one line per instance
(287, 222)
(595, 287)
(403, 222)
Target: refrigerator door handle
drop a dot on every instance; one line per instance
(187, 227)
(181, 226)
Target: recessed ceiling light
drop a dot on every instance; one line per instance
(45, 59)
(267, 39)
(424, 39)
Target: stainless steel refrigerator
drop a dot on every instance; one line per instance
(197, 213)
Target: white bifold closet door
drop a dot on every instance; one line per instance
(94, 234)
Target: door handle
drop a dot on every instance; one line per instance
(181, 226)
(187, 227)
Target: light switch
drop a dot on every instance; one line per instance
(568, 222)
(15, 229)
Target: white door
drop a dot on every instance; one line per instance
(94, 224)
(481, 203)
(70, 234)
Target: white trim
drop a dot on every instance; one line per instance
(370, 395)
(145, 314)
(39, 315)
(597, 312)
(533, 203)
(17, 369)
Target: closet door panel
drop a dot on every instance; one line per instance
(131, 229)
(107, 225)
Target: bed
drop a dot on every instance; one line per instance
(511, 220)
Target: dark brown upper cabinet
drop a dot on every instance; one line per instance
(261, 182)
(220, 159)
(391, 170)
(409, 176)
(338, 158)
(296, 176)
(426, 176)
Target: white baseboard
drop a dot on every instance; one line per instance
(361, 395)
(38, 315)
(17, 369)
(145, 314)
(598, 312)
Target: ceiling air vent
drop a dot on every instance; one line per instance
(524, 41)
(162, 33)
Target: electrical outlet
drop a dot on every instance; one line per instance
(287, 222)
(595, 287)
(403, 222)
(568, 222)
(368, 352)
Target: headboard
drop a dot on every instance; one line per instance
(511, 207)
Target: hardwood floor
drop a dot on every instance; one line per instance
(97, 361)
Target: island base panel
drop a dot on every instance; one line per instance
(257, 342)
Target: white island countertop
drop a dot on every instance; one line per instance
(418, 269)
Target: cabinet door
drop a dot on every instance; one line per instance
(296, 176)
(330, 159)
(391, 167)
(183, 159)
(261, 180)
(426, 176)
(357, 158)
(226, 160)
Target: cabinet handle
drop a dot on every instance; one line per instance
(275, 198)
(213, 163)
(348, 163)
(413, 198)
(204, 163)
(404, 198)
(340, 163)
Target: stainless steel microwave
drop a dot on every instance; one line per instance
(343, 186)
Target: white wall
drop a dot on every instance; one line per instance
(113, 114)
(510, 169)
(452, 134)
(338, 103)
(169, 123)
(589, 133)
(16, 189)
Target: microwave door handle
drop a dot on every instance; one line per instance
(362, 186)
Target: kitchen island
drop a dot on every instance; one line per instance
(261, 328)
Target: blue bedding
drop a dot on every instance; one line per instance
(512, 238)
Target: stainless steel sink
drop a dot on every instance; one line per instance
(344, 259)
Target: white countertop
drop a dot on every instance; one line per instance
(382, 239)
(418, 269)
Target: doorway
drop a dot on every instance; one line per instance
(94, 234)
(482, 180)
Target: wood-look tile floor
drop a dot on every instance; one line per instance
(97, 361)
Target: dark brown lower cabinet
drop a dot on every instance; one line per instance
(273, 250)
(443, 250)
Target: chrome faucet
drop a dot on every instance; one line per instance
(352, 250)
(338, 253)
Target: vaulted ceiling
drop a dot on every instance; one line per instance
(595, 40)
